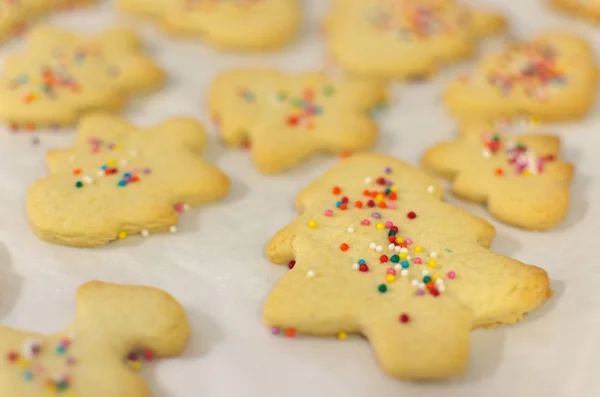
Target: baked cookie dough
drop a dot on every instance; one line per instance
(589, 9)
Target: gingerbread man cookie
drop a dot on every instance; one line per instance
(520, 177)
(552, 78)
(118, 180)
(15, 14)
(289, 117)
(116, 328)
(228, 24)
(376, 252)
(589, 9)
(62, 75)
(401, 39)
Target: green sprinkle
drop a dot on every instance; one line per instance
(78, 184)
(382, 288)
(395, 258)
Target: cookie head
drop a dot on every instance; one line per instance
(118, 180)
(551, 78)
(286, 118)
(404, 39)
(376, 252)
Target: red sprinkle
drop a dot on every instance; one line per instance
(404, 318)
(291, 264)
(13, 356)
(370, 203)
(434, 292)
(411, 215)
(383, 258)
(363, 268)
(148, 355)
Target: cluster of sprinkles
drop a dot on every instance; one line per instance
(135, 359)
(398, 258)
(32, 370)
(520, 158)
(58, 75)
(408, 20)
(533, 67)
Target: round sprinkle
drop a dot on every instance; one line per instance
(388, 225)
(290, 332)
(433, 255)
(390, 278)
(388, 170)
(372, 245)
(431, 263)
(391, 270)
(417, 261)
(383, 258)
(344, 247)
(391, 246)
(328, 212)
(87, 179)
(311, 273)
(404, 273)
(342, 335)
(365, 222)
(291, 264)
(145, 233)
(173, 229)
(368, 180)
(71, 158)
(382, 288)
(376, 215)
(78, 184)
(420, 292)
(379, 248)
(122, 234)
(350, 229)
(451, 275)
(355, 266)
(414, 282)
(275, 330)
(363, 268)
(312, 224)
(430, 189)
(336, 190)
(404, 318)
(380, 226)
(411, 215)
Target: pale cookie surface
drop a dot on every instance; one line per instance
(118, 180)
(286, 118)
(15, 14)
(520, 177)
(228, 24)
(553, 77)
(402, 39)
(376, 252)
(116, 328)
(62, 75)
(589, 9)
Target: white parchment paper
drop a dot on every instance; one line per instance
(216, 267)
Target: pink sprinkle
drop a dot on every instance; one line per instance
(388, 225)
(451, 275)
(95, 149)
(179, 207)
(420, 292)
(365, 222)
(133, 169)
(328, 212)
(391, 205)
(391, 270)
(407, 241)
(275, 330)
(417, 260)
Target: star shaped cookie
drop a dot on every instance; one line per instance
(228, 24)
(61, 76)
(116, 329)
(118, 180)
(552, 78)
(400, 39)
(519, 177)
(288, 117)
(375, 252)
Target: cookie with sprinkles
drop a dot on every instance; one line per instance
(520, 177)
(118, 180)
(61, 76)
(405, 39)
(588, 9)
(16, 14)
(229, 24)
(286, 118)
(116, 329)
(376, 252)
(552, 77)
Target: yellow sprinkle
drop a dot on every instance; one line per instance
(380, 226)
(435, 277)
(394, 189)
(111, 162)
(117, 148)
(23, 363)
(379, 198)
(431, 263)
(403, 255)
(390, 278)
(526, 173)
(136, 365)
(312, 224)
(418, 248)
(122, 234)
(342, 335)
(399, 239)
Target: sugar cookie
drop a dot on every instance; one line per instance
(402, 39)
(376, 252)
(589, 9)
(118, 180)
(62, 75)
(229, 24)
(289, 117)
(520, 177)
(116, 328)
(552, 77)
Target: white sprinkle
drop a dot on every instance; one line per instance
(123, 162)
(439, 281)
(391, 246)
(403, 249)
(414, 282)
(379, 248)
(350, 229)
(100, 173)
(430, 188)
(372, 246)
(311, 274)
(397, 248)
(408, 257)
(441, 288)
(421, 285)
(173, 229)
(486, 153)
(368, 180)
(404, 273)
(87, 179)
(71, 158)
(433, 255)
(145, 233)
(397, 267)
(186, 207)
(355, 266)
(425, 272)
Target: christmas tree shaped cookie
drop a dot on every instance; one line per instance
(376, 252)
(61, 76)
(118, 180)
(520, 177)
(552, 77)
(589, 9)
(286, 118)
(401, 39)
(229, 24)
(116, 329)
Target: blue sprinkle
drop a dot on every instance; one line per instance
(404, 264)
(60, 349)
(103, 168)
(27, 375)
(122, 183)
(361, 262)
(127, 175)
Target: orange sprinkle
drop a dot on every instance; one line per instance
(344, 206)
(336, 190)
(290, 332)
(393, 196)
(344, 247)
(366, 193)
(499, 171)
(382, 205)
(77, 171)
(430, 285)
(344, 155)
(358, 204)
